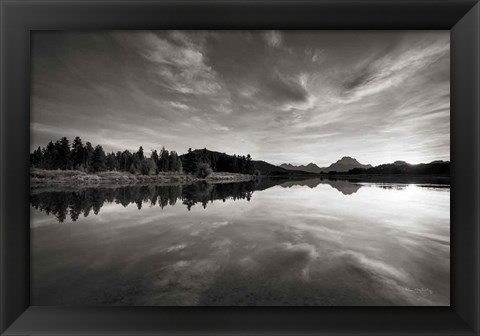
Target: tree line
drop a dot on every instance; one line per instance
(404, 168)
(217, 162)
(79, 156)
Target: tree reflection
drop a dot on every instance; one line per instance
(75, 203)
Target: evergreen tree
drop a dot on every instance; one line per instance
(49, 156)
(118, 158)
(126, 161)
(36, 158)
(249, 166)
(164, 162)
(145, 166)
(98, 159)
(77, 153)
(189, 161)
(62, 154)
(111, 162)
(204, 157)
(88, 156)
(136, 164)
(173, 161)
(154, 158)
(242, 164)
(140, 153)
(234, 164)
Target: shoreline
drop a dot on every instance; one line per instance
(75, 179)
(358, 178)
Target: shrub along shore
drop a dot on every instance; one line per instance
(40, 177)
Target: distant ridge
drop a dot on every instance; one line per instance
(311, 167)
(345, 164)
(437, 167)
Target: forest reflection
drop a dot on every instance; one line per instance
(83, 202)
(86, 201)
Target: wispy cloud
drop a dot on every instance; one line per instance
(179, 63)
(392, 70)
(179, 105)
(289, 96)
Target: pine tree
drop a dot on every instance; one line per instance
(49, 156)
(62, 155)
(126, 161)
(173, 161)
(164, 162)
(98, 160)
(36, 158)
(77, 153)
(136, 164)
(88, 156)
(189, 161)
(145, 166)
(118, 158)
(111, 162)
(140, 153)
(250, 168)
(154, 158)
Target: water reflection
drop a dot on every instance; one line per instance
(281, 242)
(344, 186)
(82, 202)
(74, 203)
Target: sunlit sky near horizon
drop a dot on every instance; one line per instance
(281, 96)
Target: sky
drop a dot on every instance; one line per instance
(281, 96)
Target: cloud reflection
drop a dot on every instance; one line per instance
(287, 246)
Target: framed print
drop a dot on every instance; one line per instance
(240, 167)
(235, 207)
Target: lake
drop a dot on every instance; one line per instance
(312, 242)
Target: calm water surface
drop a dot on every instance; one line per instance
(311, 242)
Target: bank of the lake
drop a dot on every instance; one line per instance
(75, 178)
(391, 178)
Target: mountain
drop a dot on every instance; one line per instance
(343, 165)
(311, 167)
(229, 163)
(266, 168)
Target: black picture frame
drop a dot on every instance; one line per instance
(19, 17)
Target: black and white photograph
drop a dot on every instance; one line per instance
(240, 168)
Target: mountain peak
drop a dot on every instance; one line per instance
(311, 167)
(348, 159)
(345, 164)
